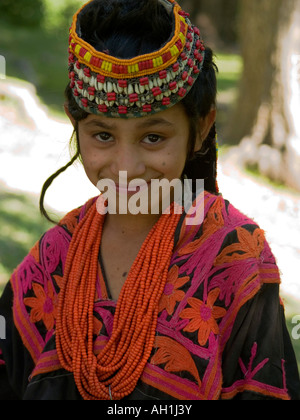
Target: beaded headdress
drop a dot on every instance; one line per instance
(105, 85)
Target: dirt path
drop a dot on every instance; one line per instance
(33, 146)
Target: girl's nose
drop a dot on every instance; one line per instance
(127, 158)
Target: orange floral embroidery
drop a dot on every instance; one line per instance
(175, 357)
(203, 316)
(97, 326)
(59, 281)
(171, 293)
(249, 246)
(35, 252)
(43, 306)
(213, 222)
(70, 221)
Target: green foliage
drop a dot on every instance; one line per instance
(49, 14)
(230, 68)
(22, 13)
(59, 13)
(39, 54)
(39, 57)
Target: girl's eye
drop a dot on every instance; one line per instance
(104, 137)
(152, 139)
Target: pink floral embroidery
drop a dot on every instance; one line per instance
(249, 372)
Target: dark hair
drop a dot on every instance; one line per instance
(125, 29)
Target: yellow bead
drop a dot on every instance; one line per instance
(77, 49)
(182, 37)
(88, 57)
(134, 68)
(106, 66)
(174, 50)
(159, 61)
(109, 67)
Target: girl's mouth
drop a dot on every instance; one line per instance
(133, 187)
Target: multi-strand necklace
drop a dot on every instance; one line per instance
(115, 371)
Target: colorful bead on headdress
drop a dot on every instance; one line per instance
(105, 85)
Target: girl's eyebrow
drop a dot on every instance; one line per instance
(101, 124)
(155, 121)
(144, 124)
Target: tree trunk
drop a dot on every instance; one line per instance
(216, 19)
(267, 117)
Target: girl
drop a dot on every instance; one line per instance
(145, 305)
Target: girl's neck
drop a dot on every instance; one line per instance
(129, 224)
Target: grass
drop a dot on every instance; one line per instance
(21, 226)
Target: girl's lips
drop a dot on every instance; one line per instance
(132, 188)
(129, 188)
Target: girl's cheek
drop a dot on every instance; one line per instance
(90, 159)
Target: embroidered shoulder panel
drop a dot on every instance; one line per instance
(218, 268)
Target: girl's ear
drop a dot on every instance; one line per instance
(205, 125)
(68, 113)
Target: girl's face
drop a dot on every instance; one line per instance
(152, 147)
(147, 148)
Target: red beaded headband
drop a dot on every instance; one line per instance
(105, 85)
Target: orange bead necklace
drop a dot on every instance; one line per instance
(115, 371)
